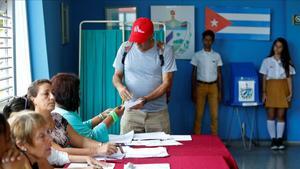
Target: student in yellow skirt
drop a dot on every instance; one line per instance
(277, 70)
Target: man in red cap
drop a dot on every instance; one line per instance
(147, 71)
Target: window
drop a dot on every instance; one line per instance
(7, 81)
(124, 14)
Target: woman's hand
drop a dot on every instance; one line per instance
(106, 149)
(120, 110)
(95, 164)
(289, 98)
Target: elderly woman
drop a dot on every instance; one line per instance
(65, 88)
(29, 131)
(7, 147)
(42, 101)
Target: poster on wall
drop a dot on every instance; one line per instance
(239, 22)
(246, 90)
(180, 24)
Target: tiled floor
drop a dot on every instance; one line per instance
(261, 157)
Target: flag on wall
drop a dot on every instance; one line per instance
(239, 23)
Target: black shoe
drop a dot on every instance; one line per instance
(280, 144)
(274, 145)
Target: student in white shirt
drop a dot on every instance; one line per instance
(206, 82)
(277, 70)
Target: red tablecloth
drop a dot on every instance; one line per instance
(203, 152)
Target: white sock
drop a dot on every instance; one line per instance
(280, 129)
(271, 128)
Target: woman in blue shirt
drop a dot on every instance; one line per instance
(66, 91)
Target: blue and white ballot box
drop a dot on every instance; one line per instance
(244, 84)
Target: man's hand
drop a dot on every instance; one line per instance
(124, 93)
(141, 104)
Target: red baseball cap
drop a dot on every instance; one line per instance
(141, 30)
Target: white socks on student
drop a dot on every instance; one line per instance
(280, 129)
(272, 128)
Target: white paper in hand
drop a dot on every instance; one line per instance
(131, 104)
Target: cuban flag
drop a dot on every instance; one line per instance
(239, 23)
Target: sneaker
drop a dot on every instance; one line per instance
(280, 144)
(274, 145)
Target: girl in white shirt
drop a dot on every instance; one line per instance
(277, 70)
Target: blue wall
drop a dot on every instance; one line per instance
(65, 58)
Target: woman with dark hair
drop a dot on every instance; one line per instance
(277, 70)
(66, 91)
(15, 105)
(41, 98)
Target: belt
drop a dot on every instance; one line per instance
(213, 82)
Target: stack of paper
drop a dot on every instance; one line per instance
(153, 143)
(85, 165)
(147, 166)
(145, 152)
(152, 136)
(125, 139)
(181, 137)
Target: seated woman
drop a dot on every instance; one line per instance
(42, 101)
(65, 88)
(29, 131)
(7, 147)
(57, 158)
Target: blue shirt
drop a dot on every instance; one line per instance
(84, 128)
(143, 73)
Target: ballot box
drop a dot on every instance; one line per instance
(244, 95)
(244, 84)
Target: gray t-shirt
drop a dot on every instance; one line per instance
(143, 73)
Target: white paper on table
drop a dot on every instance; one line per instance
(147, 166)
(130, 104)
(117, 156)
(125, 138)
(153, 143)
(151, 136)
(85, 165)
(181, 137)
(145, 152)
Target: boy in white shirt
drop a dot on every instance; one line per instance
(206, 82)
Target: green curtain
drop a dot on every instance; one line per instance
(98, 51)
(99, 48)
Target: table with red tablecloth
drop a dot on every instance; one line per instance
(203, 152)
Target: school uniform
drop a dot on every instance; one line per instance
(207, 64)
(277, 89)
